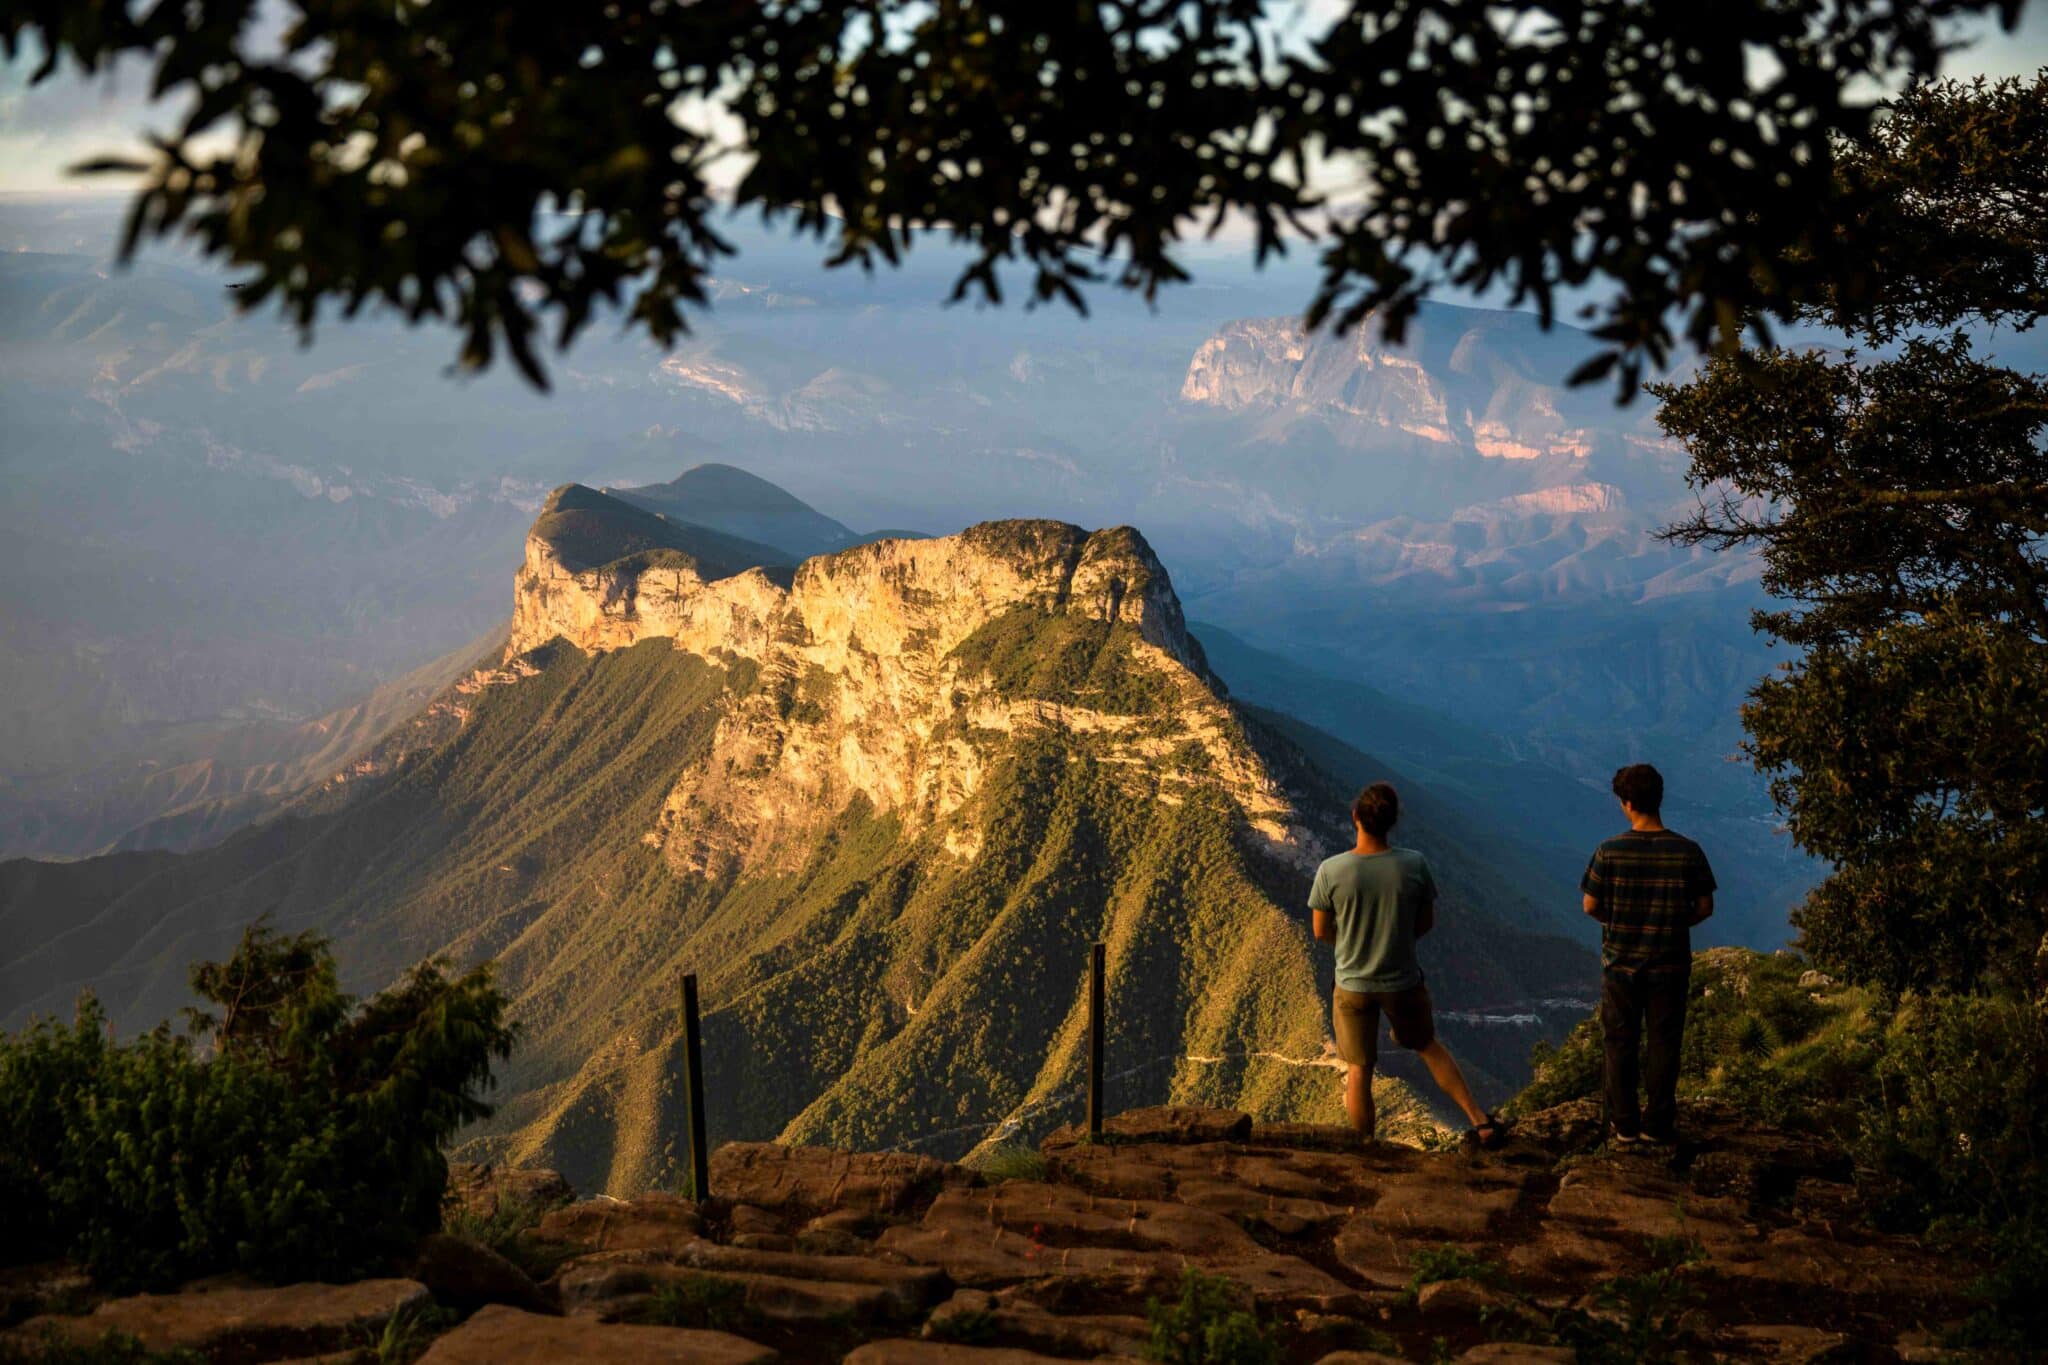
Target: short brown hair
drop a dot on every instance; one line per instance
(1377, 809)
(1642, 786)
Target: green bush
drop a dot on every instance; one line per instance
(703, 1301)
(115, 1348)
(293, 1134)
(1210, 1324)
(1011, 1161)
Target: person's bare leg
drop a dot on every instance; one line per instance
(1358, 1099)
(1444, 1067)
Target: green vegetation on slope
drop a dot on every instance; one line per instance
(1072, 659)
(892, 987)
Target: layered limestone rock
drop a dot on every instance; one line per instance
(1476, 398)
(863, 691)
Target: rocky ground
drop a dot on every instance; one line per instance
(1740, 1244)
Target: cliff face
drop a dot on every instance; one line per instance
(876, 681)
(1472, 390)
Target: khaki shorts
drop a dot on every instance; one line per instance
(1356, 1017)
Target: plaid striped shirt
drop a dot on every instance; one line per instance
(1646, 886)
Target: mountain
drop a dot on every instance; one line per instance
(742, 504)
(880, 803)
(206, 531)
(197, 787)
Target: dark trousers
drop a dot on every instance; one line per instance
(1642, 1017)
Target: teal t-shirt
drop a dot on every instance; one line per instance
(1375, 897)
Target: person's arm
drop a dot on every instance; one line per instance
(1425, 918)
(1322, 910)
(1592, 887)
(1702, 887)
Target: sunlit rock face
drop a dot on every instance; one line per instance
(1475, 391)
(875, 679)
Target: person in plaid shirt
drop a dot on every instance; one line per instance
(1647, 888)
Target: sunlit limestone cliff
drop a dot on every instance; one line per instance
(880, 802)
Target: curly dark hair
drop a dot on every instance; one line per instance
(1642, 786)
(1377, 809)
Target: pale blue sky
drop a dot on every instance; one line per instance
(45, 129)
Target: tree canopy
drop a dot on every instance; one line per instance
(500, 166)
(1899, 503)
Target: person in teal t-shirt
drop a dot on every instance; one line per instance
(1371, 904)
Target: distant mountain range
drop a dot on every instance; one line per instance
(879, 800)
(210, 539)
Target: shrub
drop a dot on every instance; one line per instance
(115, 1348)
(504, 1230)
(1438, 1263)
(1210, 1324)
(304, 1143)
(1011, 1161)
(705, 1301)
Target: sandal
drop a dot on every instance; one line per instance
(1489, 1134)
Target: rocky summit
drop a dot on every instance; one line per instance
(1742, 1243)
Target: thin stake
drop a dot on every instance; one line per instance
(693, 1081)
(1095, 973)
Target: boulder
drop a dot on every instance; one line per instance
(1025, 1324)
(747, 1218)
(654, 1222)
(816, 1179)
(1459, 1299)
(294, 1319)
(507, 1336)
(466, 1275)
(1360, 1358)
(480, 1189)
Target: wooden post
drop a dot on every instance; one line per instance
(693, 1082)
(1095, 972)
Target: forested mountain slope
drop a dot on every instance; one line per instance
(880, 804)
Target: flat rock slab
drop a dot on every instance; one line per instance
(620, 1288)
(1445, 1201)
(1063, 1334)
(507, 1336)
(1023, 1230)
(464, 1274)
(1518, 1353)
(769, 1175)
(650, 1223)
(943, 1353)
(294, 1319)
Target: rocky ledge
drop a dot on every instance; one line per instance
(1740, 1244)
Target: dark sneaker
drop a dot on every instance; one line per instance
(1629, 1142)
